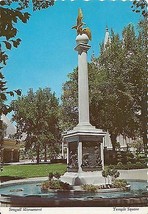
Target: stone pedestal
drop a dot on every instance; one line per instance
(84, 143)
(85, 159)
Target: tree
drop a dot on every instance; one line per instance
(140, 6)
(111, 102)
(116, 83)
(138, 145)
(37, 116)
(11, 12)
(2, 132)
(122, 94)
(69, 105)
(114, 174)
(142, 59)
(105, 174)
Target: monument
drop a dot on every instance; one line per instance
(85, 160)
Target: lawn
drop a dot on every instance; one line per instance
(30, 171)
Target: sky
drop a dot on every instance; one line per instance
(46, 54)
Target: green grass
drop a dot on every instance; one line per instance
(30, 171)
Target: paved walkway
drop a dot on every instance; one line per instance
(134, 174)
(22, 162)
(28, 180)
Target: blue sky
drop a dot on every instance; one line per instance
(46, 54)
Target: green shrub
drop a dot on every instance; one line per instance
(120, 165)
(64, 186)
(139, 165)
(111, 166)
(55, 184)
(89, 188)
(50, 175)
(120, 183)
(130, 165)
(57, 175)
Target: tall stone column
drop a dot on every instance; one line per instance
(83, 91)
(80, 157)
(102, 153)
(85, 165)
(67, 153)
(62, 149)
(12, 154)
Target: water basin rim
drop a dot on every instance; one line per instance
(42, 179)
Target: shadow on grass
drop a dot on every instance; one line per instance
(9, 178)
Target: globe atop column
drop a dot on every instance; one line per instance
(82, 39)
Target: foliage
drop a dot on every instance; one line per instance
(138, 145)
(116, 98)
(117, 86)
(69, 106)
(89, 188)
(140, 165)
(140, 6)
(114, 173)
(2, 131)
(50, 175)
(110, 172)
(4, 92)
(119, 156)
(11, 12)
(120, 165)
(57, 175)
(37, 116)
(55, 184)
(105, 174)
(120, 183)
(130, 165)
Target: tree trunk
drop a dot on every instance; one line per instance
(45, 152)
(113, 138)
(38, 153)
(105, 180)
(144, 121)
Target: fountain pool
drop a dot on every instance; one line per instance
(138, 188)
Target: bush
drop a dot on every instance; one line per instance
(139, 165)
(89, 188)
(111, 166)
(57, 175)
(120, 183)
(130, 165)
(50, 175)
(55, 184)
(45, 186)
(120, 165)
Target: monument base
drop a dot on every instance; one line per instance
(85, 160)
(81, 178)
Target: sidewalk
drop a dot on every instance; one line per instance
(21, 162)
(134, 174)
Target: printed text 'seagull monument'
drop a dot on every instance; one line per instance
(84, 143)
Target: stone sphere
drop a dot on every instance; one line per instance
(82, 39)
